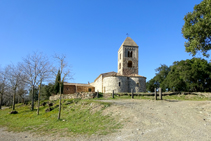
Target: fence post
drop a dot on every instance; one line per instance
(132, 94)
(113, 94)
(97, 94)
(160, 93)
(155, 93)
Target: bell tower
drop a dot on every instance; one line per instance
(128, 57)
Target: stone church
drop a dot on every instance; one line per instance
(124, 80)
(127, 77)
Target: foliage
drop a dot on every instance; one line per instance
(46, 91)
(194, 75)
(185, 75)
(56, 84)
(151, 84)
(197, 29)
(157, 81)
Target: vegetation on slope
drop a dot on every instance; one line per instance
(78, 117)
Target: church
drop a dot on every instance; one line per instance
(127, 77)
(124, 80)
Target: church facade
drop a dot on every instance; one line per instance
(126, 78)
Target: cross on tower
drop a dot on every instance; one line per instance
(127, 34)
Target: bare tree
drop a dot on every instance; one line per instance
(45, 72)
(3, 84)
(64, 73)
(21, 92)
(15, 78)
(33, 67)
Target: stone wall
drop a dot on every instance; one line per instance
(138, 84)
(116, 83)
(124, 84)
(125, 69)
(124, 59)
(85, 89)
(98, 84)
(82, 95)
(71, 89)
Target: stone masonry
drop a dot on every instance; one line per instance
(127, 77)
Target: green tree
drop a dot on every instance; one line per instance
(46, 91)
(173, 80)
(157, 81)
(197, 29)
(151, 84)
(56, 85)
(190, 75)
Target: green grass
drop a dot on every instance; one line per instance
(171, 97)
(187, 97)
(76, 118)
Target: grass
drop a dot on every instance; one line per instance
(187, 97)
(171, 97)
(76, 118)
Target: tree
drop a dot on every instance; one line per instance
(161, 75)
(197, 29)
(3, 84)
(64, 73)
(173, 79)
(190, 75)
(21, 92)
(46, 91)
(44, 73)
(34, 67)
(157, 81)
(56, 85)
(151, 84)
(15, 78)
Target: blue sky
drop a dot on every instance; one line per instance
(90, 32)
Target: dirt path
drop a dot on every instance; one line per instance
(147, 120)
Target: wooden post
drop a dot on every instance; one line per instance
(113, 94)
(97, 94)
(160, 93)
(132, 94)
(155, 93)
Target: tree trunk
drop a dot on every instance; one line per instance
(32, 105)
(60, 100)
(1, 100)
(38, 105)
(13, 105)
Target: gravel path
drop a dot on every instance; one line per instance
(145, 120)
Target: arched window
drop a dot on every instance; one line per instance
(119, 65)
(130, 53)
(119, 83)
(129, 64)
(120, 56)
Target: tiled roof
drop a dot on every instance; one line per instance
(129, 42)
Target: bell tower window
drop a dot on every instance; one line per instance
(119, 65)
(130, 53)
(129, 64)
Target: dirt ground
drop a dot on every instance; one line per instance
(145, 120)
